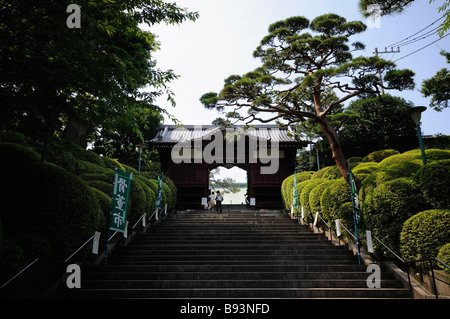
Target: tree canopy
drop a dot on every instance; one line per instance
(387, 7)
(308, 75)
(438, 87)
(52, 75)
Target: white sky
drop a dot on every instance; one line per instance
(221, 43)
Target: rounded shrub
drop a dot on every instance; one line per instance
(336, 194)
(386, 173)
(49, 200)
(104, 202)
(406, 156)
(112, 163)
(434, 181)
(425, 233)
(288, 186)
(380, 155)
(321, 172)
(444, 256)
(137, 202)
(12, 154)
(389, 205)
(365, 168)
(315, 195)
(14, 137)
(304, 195)
(12, 260)
(85, 167)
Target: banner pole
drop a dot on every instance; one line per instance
(106, 250)
(353, 191)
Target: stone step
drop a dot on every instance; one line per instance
(242, 293)
(229, 283)
(107, 274)
(232, 255)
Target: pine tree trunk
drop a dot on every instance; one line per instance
(336, 149)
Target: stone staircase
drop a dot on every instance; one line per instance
(238, 254)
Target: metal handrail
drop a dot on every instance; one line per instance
(397, 256)
(19, 273)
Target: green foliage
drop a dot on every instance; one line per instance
(322, 172)
(425, 233)
(315, 195)
(104, 201)
(304, 195)
(45, 199)
(378, 156)
(336, 194)
(444, 255)
(288, 185)
(389, 205)
(386, 173)
(434, 182)
(112, 163)
(85, 167)
(365, 168)
(15, 154)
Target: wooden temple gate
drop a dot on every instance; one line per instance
(266, 152)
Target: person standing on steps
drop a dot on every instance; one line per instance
(219, 199)
(212, 200)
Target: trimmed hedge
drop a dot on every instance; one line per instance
(386, 173)
(49, 200)
(434, 182)
(444, 255)
(288, 185)
(389, 205)
(304, 195)
(336, 194)
(378, 156)
(316, 194)
(320, 173)
(425, 233)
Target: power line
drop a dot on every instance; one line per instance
(398, 43)
(424, 36)
(421, 48)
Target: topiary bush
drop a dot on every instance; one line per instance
(389, 205)
(444, 256)
(46, 199)
(306, 190)
(321, 172)
(434, 181)
(380, 155)
(386, 173)
(112, 163)
(336, 194)
(315, 195)
(425, 233)
(12, 154)
(288, 185)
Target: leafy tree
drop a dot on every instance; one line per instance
(297, 64)
(438, 87)
(382, 124)
(53, 78)
(387, 7)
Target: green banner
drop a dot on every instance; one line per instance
(355, 202)
(295, 201)
(119, 200)
(159, 199)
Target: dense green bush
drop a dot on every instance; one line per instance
(85, 167)
(14, 137)
(16, 155)
(304, 195)
(112, 163)
(378, 156)
(430, 154)
(315, 195)
(104, 202)
(425, 233)
(288, 186)
(46, 199)
(12, 259)
(365, 168)
(434, 182)
(386, 173)
(336, 194)
(389, 205)
(321, 172)
(444, 256)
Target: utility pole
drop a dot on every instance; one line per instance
(385, 52)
